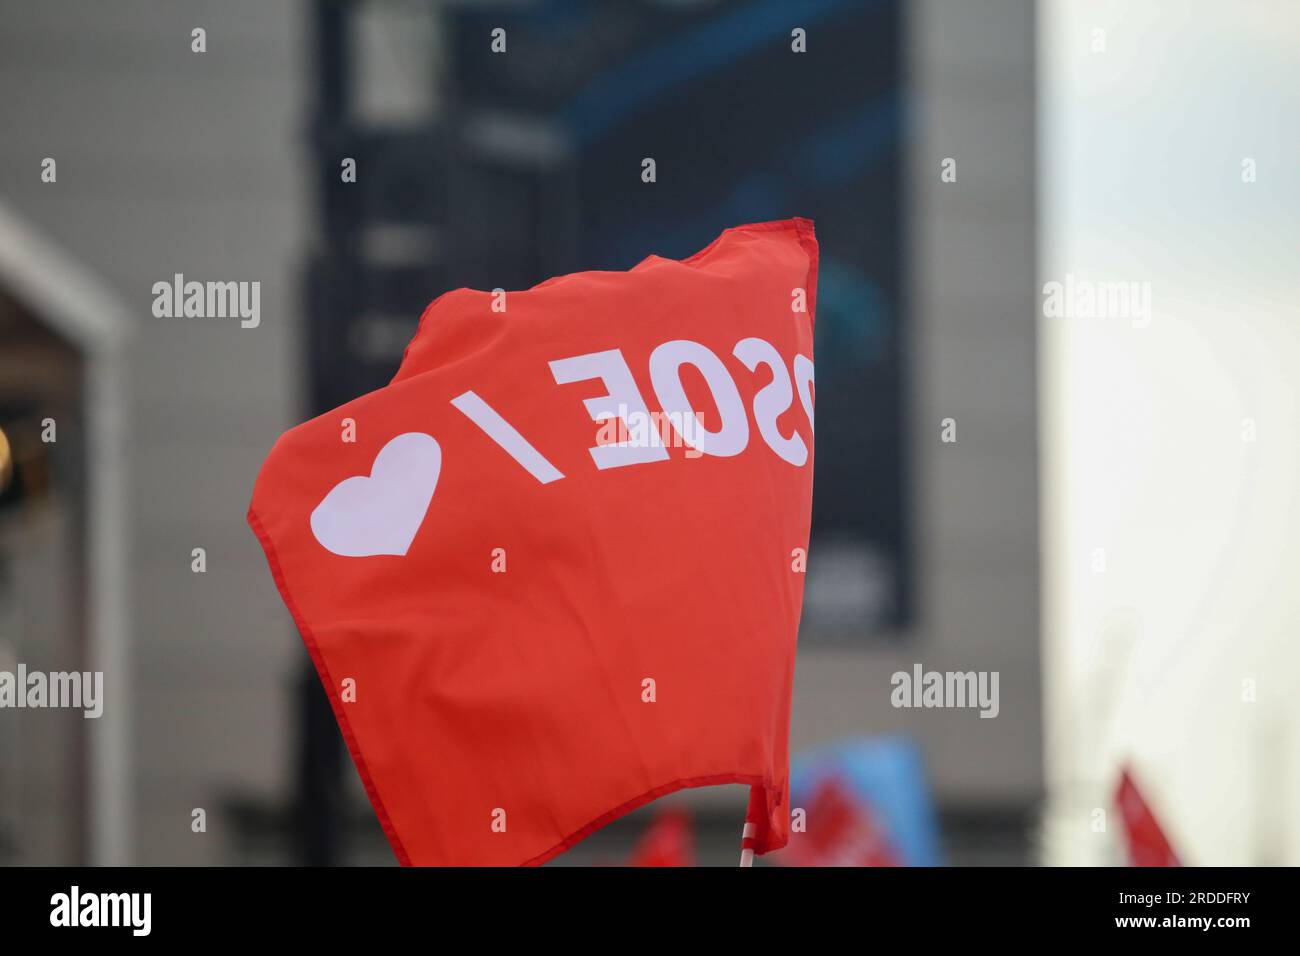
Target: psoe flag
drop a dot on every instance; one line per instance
(554, 569)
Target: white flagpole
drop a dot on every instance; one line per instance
(746, 852)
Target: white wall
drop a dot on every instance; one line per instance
(1143, 426)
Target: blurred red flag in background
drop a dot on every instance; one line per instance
(530, 621)
(1147, 844)
(841, 831)
(668, 841)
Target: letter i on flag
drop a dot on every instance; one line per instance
(529, 622)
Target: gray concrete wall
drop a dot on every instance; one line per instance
(175, 161)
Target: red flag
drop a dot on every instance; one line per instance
(1147, 845)
(841, 831)
(668, 841)
(530, 612)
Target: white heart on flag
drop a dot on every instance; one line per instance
(380, 514)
